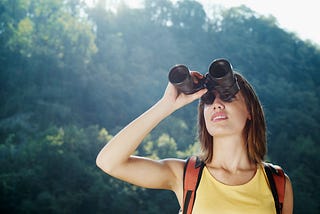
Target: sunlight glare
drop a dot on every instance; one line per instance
(130, 3)
(295, 16)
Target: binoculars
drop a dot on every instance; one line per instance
(219, 78)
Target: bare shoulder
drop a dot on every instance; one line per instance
(288, 197)
(175, 165)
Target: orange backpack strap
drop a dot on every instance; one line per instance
(191, 179)
(277, 181)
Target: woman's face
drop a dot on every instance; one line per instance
(226, 118)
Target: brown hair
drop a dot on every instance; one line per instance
(254, 132)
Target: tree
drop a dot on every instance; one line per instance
(47, 51)
(68, 74)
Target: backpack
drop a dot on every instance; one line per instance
(193, 171)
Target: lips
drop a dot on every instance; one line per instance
(218, 116)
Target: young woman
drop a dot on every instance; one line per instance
(233, 143)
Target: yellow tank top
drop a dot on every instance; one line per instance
(253, 197)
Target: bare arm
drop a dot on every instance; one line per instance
(288, 198)
(116, 157)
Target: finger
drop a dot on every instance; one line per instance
(197, 74)
(198, 94)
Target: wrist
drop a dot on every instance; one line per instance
(165, 107)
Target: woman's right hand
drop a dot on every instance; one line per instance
(175, 99)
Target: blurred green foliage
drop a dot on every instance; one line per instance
(72, 76)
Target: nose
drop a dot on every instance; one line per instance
(217, 104)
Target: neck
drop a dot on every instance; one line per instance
(230, 153)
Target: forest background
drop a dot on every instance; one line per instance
(71, 76)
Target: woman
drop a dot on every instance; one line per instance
(233, 142)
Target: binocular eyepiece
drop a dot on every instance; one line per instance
(220, 78)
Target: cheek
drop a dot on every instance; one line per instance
(241, 119)
(206, 114)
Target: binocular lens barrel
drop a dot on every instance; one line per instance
(180, 77)
(178, 74)
(221, 78)
(221, 74)
(220, 68)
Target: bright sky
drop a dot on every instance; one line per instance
(299, 16)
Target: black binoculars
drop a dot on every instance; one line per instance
(219, 78)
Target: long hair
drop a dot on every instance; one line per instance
(254, 132)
